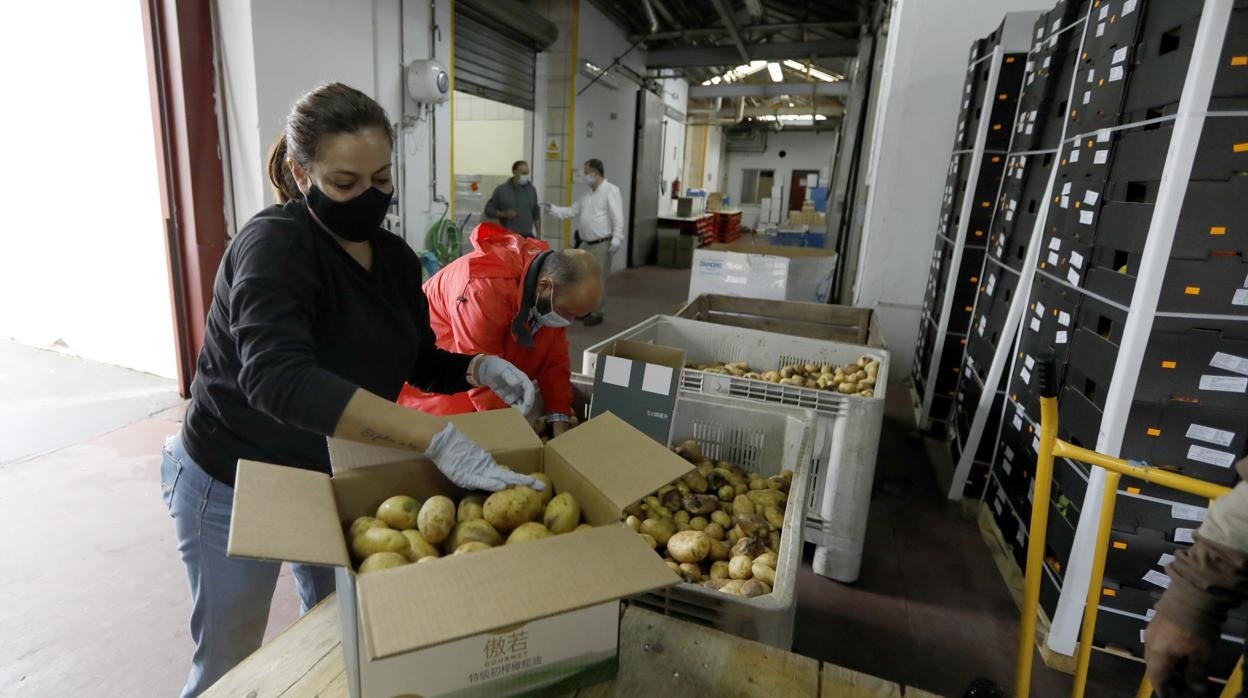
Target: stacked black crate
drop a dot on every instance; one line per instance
(982, 136)
(1190, 404)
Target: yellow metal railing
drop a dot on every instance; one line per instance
(1050, 447)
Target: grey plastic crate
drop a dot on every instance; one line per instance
(758, 439)
(847, 431)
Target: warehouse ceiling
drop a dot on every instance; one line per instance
(763, 62)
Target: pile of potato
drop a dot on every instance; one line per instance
(850, 379)
(718, 526)
(405, 530)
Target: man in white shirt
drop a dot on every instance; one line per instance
(600, 219)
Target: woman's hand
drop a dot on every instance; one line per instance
(469, 466)
(507, 381)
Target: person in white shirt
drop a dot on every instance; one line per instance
(600, 217)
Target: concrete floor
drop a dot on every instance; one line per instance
(94, 599)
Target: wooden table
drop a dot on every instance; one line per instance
(659, 656)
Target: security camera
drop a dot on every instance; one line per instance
(428, 82)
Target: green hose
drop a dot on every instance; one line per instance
(443, 239)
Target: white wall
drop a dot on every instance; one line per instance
(613, 113)
(804, 150)
(712, 171)
(83, 260)
(366, 50)
(676, 96)
(923, 75)
(489, 136)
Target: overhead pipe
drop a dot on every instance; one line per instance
(650, 17)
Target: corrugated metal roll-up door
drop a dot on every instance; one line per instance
(496, 45)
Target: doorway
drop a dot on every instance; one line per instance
(798, 184)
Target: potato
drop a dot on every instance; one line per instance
(478, 530)
(735, 534)
(758, 483)
(696, 481)
(768, 558)
(847, 388)
(673, 565)
(681, 516)
(720, 552)
(549, 492)
(509, 508)
(715, 531)
(715, 584)
(752, 524)
(682, 527)
(774, 516)
(528, 531)
(399, 512)
(750, 547)
(362, 524)
(661, 512)
(690, 450)
(378, 540)
(650, 541)
(651, 502)
(633, 523)
(719, 570)
(427, 559)
(700, 503)
(698, 523)
(562, 514)
(773, 540)
(690, 572)
(471, 547)
(755, 587)
(381, 561)
(436, 519)
(418, 546)
(689, 546)
(470, 508)
(739, 567)
(763, 573)
(583, 527)
(733, 587)
(722, 518)
(726, 493)
(672, 499)
(661, 529)
(742, 505)
(786, 372)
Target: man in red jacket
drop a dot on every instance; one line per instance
(511, 297)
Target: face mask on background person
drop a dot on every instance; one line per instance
(549, 318)
(522, 180)
(591, 179)
(358, 219)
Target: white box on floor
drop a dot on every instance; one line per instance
(763, 271)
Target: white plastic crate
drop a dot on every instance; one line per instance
(758, 439)
(847, 431)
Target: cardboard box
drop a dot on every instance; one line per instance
(512, 619)
(714, 201)
(639, 382)
(684, 207)
(763, 271)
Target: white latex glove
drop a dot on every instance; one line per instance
(547, 206)
(507, 381)
(468, 465)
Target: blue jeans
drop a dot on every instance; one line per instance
(230, 597)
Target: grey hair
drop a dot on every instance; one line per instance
(562, 269)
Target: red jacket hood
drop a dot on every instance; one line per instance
(500, 253)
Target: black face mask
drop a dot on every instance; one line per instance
(357, 220)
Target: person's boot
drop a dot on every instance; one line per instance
(592, 319)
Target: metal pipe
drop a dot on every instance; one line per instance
(1035, 546)
(1147, 473)
(654, 21)
(746, 30)
(731, 25)
(1094, 585)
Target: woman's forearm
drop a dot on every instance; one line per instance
(373, 420)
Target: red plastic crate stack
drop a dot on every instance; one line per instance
(726, 226)
(708, 229)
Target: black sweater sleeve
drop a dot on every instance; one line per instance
(272, 310)
(437, 370)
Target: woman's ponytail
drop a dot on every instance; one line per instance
(283, 181)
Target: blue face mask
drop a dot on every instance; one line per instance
(550, 318)
(591, 179)
(522, 180)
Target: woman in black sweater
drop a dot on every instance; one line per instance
(317, 321)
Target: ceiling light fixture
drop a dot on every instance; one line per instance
(777, 75)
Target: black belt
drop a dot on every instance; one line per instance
(596, 242)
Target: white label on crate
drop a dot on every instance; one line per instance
(1085, 217)
(1102, 136)
(617, 371)
(992, 283)
(1029, 362)
(1074, 155)
(1035, 444)
(1161, 579)
(1060, 337)
(1201, 432)
(1090, 197)
(1222, 459)
(1039, 309)
(1031, 116)
(1063, 318)
(1035, 324)
(1055, 244)
(1091, 75)
(1148, 615)
(1120, 55)
(1031, 77)
(1009, 453)
(1065, 202)
(1031, 492)
(1053, 258)
(1187, 512)
(1007, 466)
(1066, 188)
(1115, 73)
(983, 324)
(1165, 559)
(1144, 636)
(1052, 41)
(1128, 7)
(1224, 384)
(1029, 129)
(1100, 29)
(1073, 277)
(1057, 23)
(1101, 157)
(1009, 216)
(1103, 14)
(657, 379)
(1240, 297)
(1022, 536)
(1076, 260)
(1230, 362)
(1018, 423)
(1184, 535)
(1087, 96)
(1045, 64)
(1025, 375)
(997, 505)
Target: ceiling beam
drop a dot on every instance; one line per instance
(745, 29)
(718, 55)
(771, 89)
(731, 24)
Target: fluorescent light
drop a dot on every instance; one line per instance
(776, 74)
(795, 65)
(791, 105)
(715, 80)
(790, 117)
(820, 75)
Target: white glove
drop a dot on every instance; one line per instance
(547, 206)
(615, 246)
(468, 465)
(507, 381)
